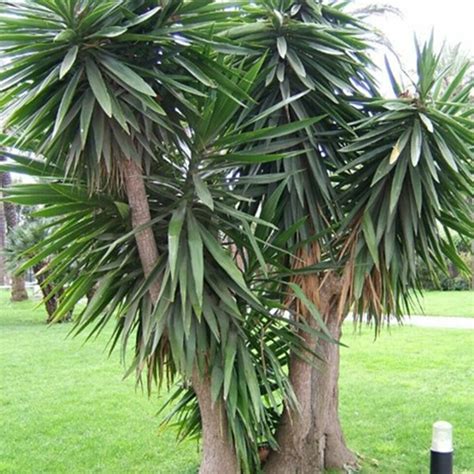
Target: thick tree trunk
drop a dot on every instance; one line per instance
(311, 439)
(218, 454)
(140, 211)
(18, 292)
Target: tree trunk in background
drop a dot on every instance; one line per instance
(311, 439)
(3, 231)
(18, 292)
(50, 303)
(218, 454)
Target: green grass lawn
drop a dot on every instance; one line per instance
(447, 303)
(394, 388)
(64, 407)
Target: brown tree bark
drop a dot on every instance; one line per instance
(218, 453)
(311, 439)
(18, 291)
(50, 303)
(140, 212)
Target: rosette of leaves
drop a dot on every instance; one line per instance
(408, 184)
(318, 52)
(91, 84)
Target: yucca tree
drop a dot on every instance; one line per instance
(407, 177)
(109, 92)
(228, 176)
(213, 316)
(319, 51)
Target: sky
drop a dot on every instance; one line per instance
(450, 20)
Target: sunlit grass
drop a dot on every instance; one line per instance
(447, 303)
(394, 388)
(64, 407)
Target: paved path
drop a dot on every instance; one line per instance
(443, 322)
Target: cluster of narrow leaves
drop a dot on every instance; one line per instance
(318, 55)
(93, 82)
(20, 241)
(407, 188)
(209, 318)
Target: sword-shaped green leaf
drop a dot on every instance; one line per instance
(98, 86)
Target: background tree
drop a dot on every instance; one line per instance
(3, 275)
(19, 249)
(280, 191)
(18, 288)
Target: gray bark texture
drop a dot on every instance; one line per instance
(311, 439)
(218, 454)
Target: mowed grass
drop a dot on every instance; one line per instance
(394, 388)
(447, 303)
(64, 407)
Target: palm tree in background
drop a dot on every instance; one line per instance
(10, 220)
(18, 249)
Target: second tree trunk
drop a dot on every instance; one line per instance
(311, 439)
(18, 292)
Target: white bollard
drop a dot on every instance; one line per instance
(442, 448)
